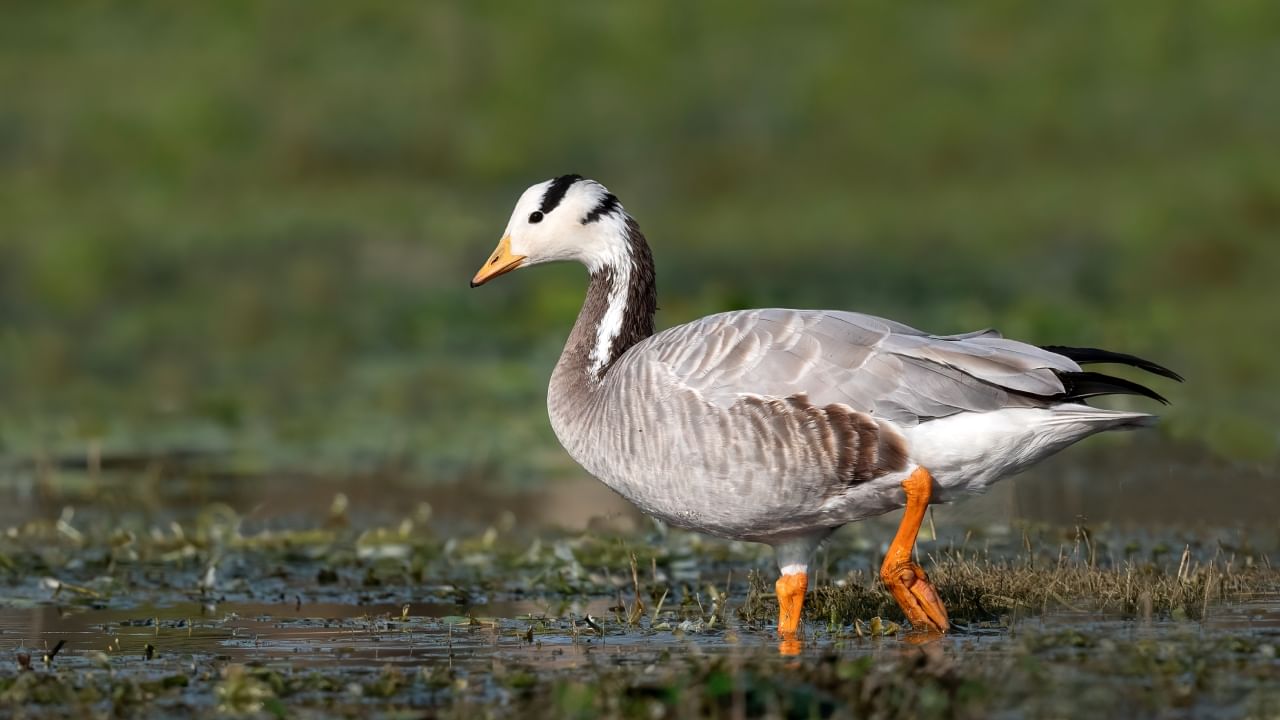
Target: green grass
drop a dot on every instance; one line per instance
(250, 228)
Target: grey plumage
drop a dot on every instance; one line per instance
(755, 424)
(872, 365)
(780, 425)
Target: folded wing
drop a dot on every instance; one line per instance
(871, 364)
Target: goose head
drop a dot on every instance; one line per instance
(565, 218)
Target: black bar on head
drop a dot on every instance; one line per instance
(606, 205)
(556, 191)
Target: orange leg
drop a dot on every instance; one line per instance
(790, 590)
(904, 578)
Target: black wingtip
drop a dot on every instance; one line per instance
(1082, 385)
(1086, 356)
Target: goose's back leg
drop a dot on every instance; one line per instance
(904, 578)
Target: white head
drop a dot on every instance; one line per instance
(566, 218)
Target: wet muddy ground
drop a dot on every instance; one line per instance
(119, 601)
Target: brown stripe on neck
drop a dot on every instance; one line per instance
(641, 296)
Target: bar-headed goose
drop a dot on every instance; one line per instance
(779, 426)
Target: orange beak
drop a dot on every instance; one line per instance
(499, 263)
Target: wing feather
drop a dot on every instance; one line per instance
(870, 364)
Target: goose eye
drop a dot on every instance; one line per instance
(535, 216)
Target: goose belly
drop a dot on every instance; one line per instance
(742, 506)
(707, 469)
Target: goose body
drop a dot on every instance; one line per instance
(770, 425)
(777, 425)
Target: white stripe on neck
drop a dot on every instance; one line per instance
(612, 254)
(614, 314)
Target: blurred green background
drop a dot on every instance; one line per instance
(248, 227)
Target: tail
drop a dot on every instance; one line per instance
(1099, 419)
(1081, 385)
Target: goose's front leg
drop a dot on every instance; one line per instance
(793, 582)
(790, 589)
(904, 578)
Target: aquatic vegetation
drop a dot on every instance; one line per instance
(345, 615)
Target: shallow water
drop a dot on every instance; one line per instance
(343, 595)
(346, 650)
(351, 634)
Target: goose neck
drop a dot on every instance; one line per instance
(618, 311)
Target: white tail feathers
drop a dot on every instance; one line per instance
(1102, 418)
